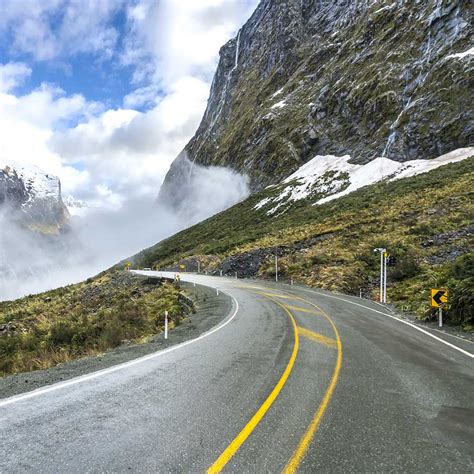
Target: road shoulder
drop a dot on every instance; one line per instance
(210, 311)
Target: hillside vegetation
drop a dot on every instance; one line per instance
(40, 331)
(425, 221)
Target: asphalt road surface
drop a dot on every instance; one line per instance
(292, 380)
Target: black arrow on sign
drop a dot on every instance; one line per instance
(437, 297)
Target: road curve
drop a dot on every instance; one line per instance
(292, 380)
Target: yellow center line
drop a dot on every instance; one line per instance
(276, 295)
(314, 336)
(303, 310)
(234, 446)
(306, 439)
(249, 287)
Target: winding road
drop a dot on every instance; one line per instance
(293, 379)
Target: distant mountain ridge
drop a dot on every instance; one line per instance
(32, 198)
(358, 78)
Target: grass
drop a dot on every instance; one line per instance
(40, 331)
(405, 216)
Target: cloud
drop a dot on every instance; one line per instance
(133, 150)
(12, 75)
(27, 124)
(170, 39)
(49, 29)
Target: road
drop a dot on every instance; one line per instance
(292, 380)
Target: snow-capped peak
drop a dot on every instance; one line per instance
(38, 184)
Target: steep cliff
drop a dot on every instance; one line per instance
(360, 78)
(31, 198)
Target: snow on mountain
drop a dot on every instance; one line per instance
(38, 183)
(329, 177)
(32, 197)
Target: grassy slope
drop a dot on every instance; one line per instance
(40, 331)
(416, 219)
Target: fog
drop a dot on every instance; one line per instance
(31, 263)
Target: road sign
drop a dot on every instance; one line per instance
(439, 297)
(182, 267)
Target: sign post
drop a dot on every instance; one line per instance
(166, 324)
(439, 298)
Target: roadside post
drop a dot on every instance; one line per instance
(439, 298)
(235, 275)
(291, 281)
(199, 266)
(383, 252)
(221, 272)
(166, 324)
(276, 267)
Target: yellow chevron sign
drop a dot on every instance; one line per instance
(439, 297)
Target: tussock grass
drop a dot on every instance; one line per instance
(40, 331)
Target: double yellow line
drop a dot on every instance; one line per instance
(233, 447)
(303, 445)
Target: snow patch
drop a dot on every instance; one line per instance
(329, 177)
(469, 52)
(278, 92)
(279, 105)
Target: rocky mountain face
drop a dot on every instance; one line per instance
(32, 199)
(362, 78)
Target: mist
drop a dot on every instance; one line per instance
(32, 263)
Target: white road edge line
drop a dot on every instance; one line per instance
(452, 335)
(115, 368)
(396, 319)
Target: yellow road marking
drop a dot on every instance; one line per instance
(303, 310)
(277, 295)
(314, 336)
(305, 441)
(233, 447)
(249, 287)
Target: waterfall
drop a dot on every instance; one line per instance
(227, 79)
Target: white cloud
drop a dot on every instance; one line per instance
(171, 39)
(12, 75)
(26, 123)
(133, 150)
(173, 46)
(47, 29)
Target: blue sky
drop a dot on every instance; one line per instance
(102, 87)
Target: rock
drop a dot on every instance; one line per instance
(32, 198)
(307, 78)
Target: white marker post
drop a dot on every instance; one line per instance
(199, 266)
(360, 292)
(440, 317)
(385, 277)
(221, 272)
(382, 272)
(166, 324)
(276, 267)
(236, 275)
(217, 291)
(291, 281)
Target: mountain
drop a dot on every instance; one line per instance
(358, 79)
(32, 198)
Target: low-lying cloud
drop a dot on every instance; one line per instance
(32, 263)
